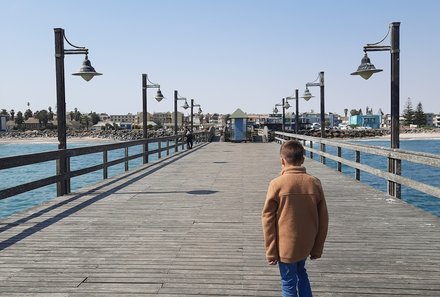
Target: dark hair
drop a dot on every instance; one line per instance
(292, 151)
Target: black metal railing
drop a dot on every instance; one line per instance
(62, 180)
(395, 179)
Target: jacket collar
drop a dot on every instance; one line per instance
(293, 170)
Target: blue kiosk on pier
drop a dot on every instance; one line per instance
(238, 125)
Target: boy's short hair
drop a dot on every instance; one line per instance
(292, 152)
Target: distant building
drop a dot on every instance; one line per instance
(307, 119)
(125, 118)
(32, 124)
(369, 120)
(163, 118)
(436, 120)
(125, 126)
(3, 123)
(104, 117)
(429, 119)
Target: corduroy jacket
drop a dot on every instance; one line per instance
(294, 216)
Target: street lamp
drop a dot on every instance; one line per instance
(296, 109)
(192, 113)
(285, 105)
(176, 98)
(159, 98)
(366, 70)
(307, 95)
(87, 72)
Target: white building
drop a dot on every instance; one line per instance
(125, 118)
(436, 120)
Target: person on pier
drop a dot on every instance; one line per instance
(295, 221)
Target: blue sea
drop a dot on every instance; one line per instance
(16, 176)
(418, 172)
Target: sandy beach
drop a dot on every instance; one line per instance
(428, 135)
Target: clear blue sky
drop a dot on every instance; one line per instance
(226, 54)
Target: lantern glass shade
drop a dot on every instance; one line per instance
(200, 110)
(286, 105)
(366, 69)
(275, 110)
(185, 106)
(87, 72)
(307, 95)
(159, 96)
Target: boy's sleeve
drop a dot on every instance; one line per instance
(269, 222)
(323, 226)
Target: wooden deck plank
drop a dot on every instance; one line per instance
(190, 226)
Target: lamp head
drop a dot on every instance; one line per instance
(200, 110)
(159, 96)
(87, 72)
(185, 106)
(275, 110)
(307, 95)
(366, 69)
(286, 105)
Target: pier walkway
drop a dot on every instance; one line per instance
(189, 225)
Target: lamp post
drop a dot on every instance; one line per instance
(296, 109)
(87, 72)
(176, 98)
(307, 95)
(192, 112)
(159, 98)
(366, 70)
(285, 105)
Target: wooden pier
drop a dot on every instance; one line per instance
(189, 225)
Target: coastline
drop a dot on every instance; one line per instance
(42, 139)
(408, 136)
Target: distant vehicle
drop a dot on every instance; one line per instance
(315, 126)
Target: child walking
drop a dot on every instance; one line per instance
(295, 221)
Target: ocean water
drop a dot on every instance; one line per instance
(16, 176)
(418, 172)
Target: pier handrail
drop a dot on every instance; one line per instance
(172, 142)
(396, 154)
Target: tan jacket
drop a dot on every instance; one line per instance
(294, 217)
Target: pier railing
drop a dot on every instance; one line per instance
(165, 145)
(319, 146)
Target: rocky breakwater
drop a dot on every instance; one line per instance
(354, 133)
(118, 135)
(371, 133)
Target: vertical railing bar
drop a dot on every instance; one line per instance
(358, 160)
(398, 172)
(105, 162)
(339, 165)
(391, 189)
(68, 174)
(322, 149)
(159, 148)
(126, 158)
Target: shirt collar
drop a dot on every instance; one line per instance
(293, 170)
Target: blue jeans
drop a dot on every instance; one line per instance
(294, 279)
